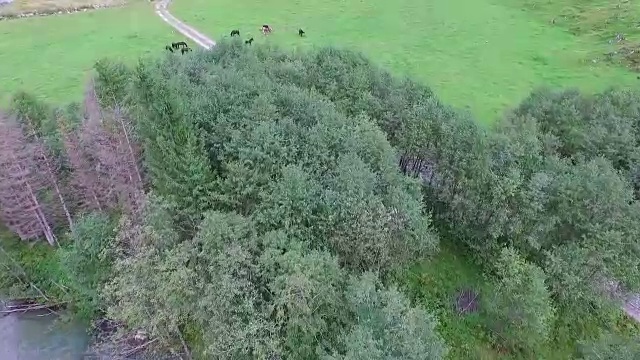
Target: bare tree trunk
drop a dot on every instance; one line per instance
(81, 175)
(104, 157)
(47, 164)
(54, 181)
(20, 183)
(133, 155)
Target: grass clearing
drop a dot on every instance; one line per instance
(483, 55)
(600, 21)
(51, 56)
(435, 284)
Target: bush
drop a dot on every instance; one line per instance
(387, 326)
(520, 312)
(87, 261)
(610, 346)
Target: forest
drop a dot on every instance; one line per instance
(258, 203)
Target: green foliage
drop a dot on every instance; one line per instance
(254, 296)
(141, 289)
(174, 152)
(295, 196)
(387, 326)
(30, 110)
(435, 285)
(520, 312)
(507, 187)
(610, 346)
(113, 80)
(276, 195)
(87, 261)
(32, 269)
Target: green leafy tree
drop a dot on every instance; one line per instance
(521, 312)
(87, 261)
(112, 82)
(229, 305)
(306, 286)
(386, 326)
(174, 153)
(150, 287)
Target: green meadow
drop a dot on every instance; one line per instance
(51, 56)
(483, 55)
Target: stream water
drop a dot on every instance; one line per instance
(41, 337)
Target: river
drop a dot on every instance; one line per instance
(41, 337)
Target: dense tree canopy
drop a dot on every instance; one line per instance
(274, 197)
(265, 198)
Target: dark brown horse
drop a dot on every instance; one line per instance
(177, 45)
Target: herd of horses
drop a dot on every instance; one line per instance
(184, 48)
(266, 30)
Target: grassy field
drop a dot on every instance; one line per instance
(483, 54)
(47, 6)
(600, 21)
(51, 56)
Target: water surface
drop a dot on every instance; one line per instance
(40, 336)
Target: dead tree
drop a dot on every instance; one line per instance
(21, 184)
(115, 149)
(90, 191)
(49, 167)
(92, 108)
(104, 157)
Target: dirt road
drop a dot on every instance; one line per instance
(184, 29)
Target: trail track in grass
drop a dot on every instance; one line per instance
(483, 55)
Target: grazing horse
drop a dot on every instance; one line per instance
(235, 32)
(184, 50)
(266, 29)
(177, 45)
(248, 42)
(301, 32)
(169, 48)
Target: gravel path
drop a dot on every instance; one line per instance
(184, 29)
